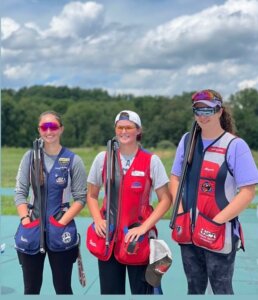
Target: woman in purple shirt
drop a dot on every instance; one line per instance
(220, 183)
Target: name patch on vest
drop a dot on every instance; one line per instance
(64, 161)
(138, 173)
(217, 150)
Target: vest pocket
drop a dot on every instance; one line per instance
(61, 237)
(97, 245)
(132, 253)
(27, 237)
(182, 231)
(209, 234)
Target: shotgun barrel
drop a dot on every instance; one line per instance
(187, 161)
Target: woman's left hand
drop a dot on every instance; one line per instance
(134, 233)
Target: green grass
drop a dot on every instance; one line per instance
(11, 159)
(8, 208)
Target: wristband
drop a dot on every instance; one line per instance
(27, 216)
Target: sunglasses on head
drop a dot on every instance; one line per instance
(126, 128)
(206, 95)
(49, 125)
(205, 111)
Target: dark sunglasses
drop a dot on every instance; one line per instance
(49, 125)
(205, 111)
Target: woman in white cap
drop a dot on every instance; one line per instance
(219, 185)
(133, 219)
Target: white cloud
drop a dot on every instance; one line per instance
(77, 19)
(200, 69)
(8, 26)
(248, 83)
(18, 71)
(229, 30)
(216, 47)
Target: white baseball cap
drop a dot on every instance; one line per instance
(130, 116)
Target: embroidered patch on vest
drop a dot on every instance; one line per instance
(217, 150)
(138, 173)
(66, 237)
(179, 229)
(206, 187)
(136, 185)
(208, 234)
(64, 161)
(60, 180)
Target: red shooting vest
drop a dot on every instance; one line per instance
(216, 189)
(133, 209)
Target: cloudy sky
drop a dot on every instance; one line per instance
(143, 47)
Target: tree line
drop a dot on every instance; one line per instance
(88, 115)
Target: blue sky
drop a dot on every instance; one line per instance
(142, 47)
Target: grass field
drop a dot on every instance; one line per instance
(11, 158)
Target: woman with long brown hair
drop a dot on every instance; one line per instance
(219, 185)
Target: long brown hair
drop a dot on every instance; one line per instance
(226, 120)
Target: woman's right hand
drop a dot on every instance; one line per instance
(100, 228)
(25, 221)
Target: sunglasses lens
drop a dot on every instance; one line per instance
(50, 125)
(204, 111)
(127, 128)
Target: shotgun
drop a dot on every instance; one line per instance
(187, 161)
(111, 144)
(37, 147)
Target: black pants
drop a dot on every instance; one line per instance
(201, 265)
(112, 276)
(61, 264)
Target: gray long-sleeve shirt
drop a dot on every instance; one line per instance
(78, 180)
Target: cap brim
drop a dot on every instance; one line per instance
(151, 277)
(207, 102)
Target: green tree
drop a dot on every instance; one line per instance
(245, 112)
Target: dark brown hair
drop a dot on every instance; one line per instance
(226, 120)
(52, 112)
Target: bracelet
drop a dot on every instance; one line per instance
(27, 216)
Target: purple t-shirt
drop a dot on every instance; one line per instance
(239, 158)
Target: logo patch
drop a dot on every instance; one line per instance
(23, 239)
(66, 237)
(179, 229)
(136, 185)
(206, 187)
(93, 244)
(60, 180)
(208, 234)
